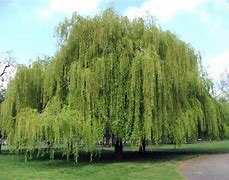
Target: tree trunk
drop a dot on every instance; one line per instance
(118, 149)
(107, 140)
(1, 142)
(142, 147)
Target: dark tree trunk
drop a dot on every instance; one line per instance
(107, 140)
(1, 142)
(142, 147)
(113, 140)
(118, 149)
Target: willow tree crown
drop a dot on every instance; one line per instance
(110, 77)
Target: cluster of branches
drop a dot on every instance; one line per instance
(7, 67)
(223, 86)
(6, 62)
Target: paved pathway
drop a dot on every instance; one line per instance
(209, 167)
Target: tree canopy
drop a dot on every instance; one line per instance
(114, 77)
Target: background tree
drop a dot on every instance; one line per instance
(223, 96)
(223, 85)
(7, 68)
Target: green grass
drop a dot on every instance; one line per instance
(159, 163)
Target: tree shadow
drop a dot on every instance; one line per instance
(107, 156)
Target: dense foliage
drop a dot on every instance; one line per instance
(111, 77)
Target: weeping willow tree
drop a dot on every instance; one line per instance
(113, 78)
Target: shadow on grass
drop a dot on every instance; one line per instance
(106, 156)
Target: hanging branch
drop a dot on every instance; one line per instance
(139, 48)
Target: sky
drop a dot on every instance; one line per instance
(27, 26)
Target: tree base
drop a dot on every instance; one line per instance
(118, 149)
(142, 147)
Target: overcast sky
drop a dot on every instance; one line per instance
(27, 26)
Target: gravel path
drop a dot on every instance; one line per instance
(209, 167)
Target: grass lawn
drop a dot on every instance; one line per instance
(159, 163)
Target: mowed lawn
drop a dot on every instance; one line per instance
(159, 163)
